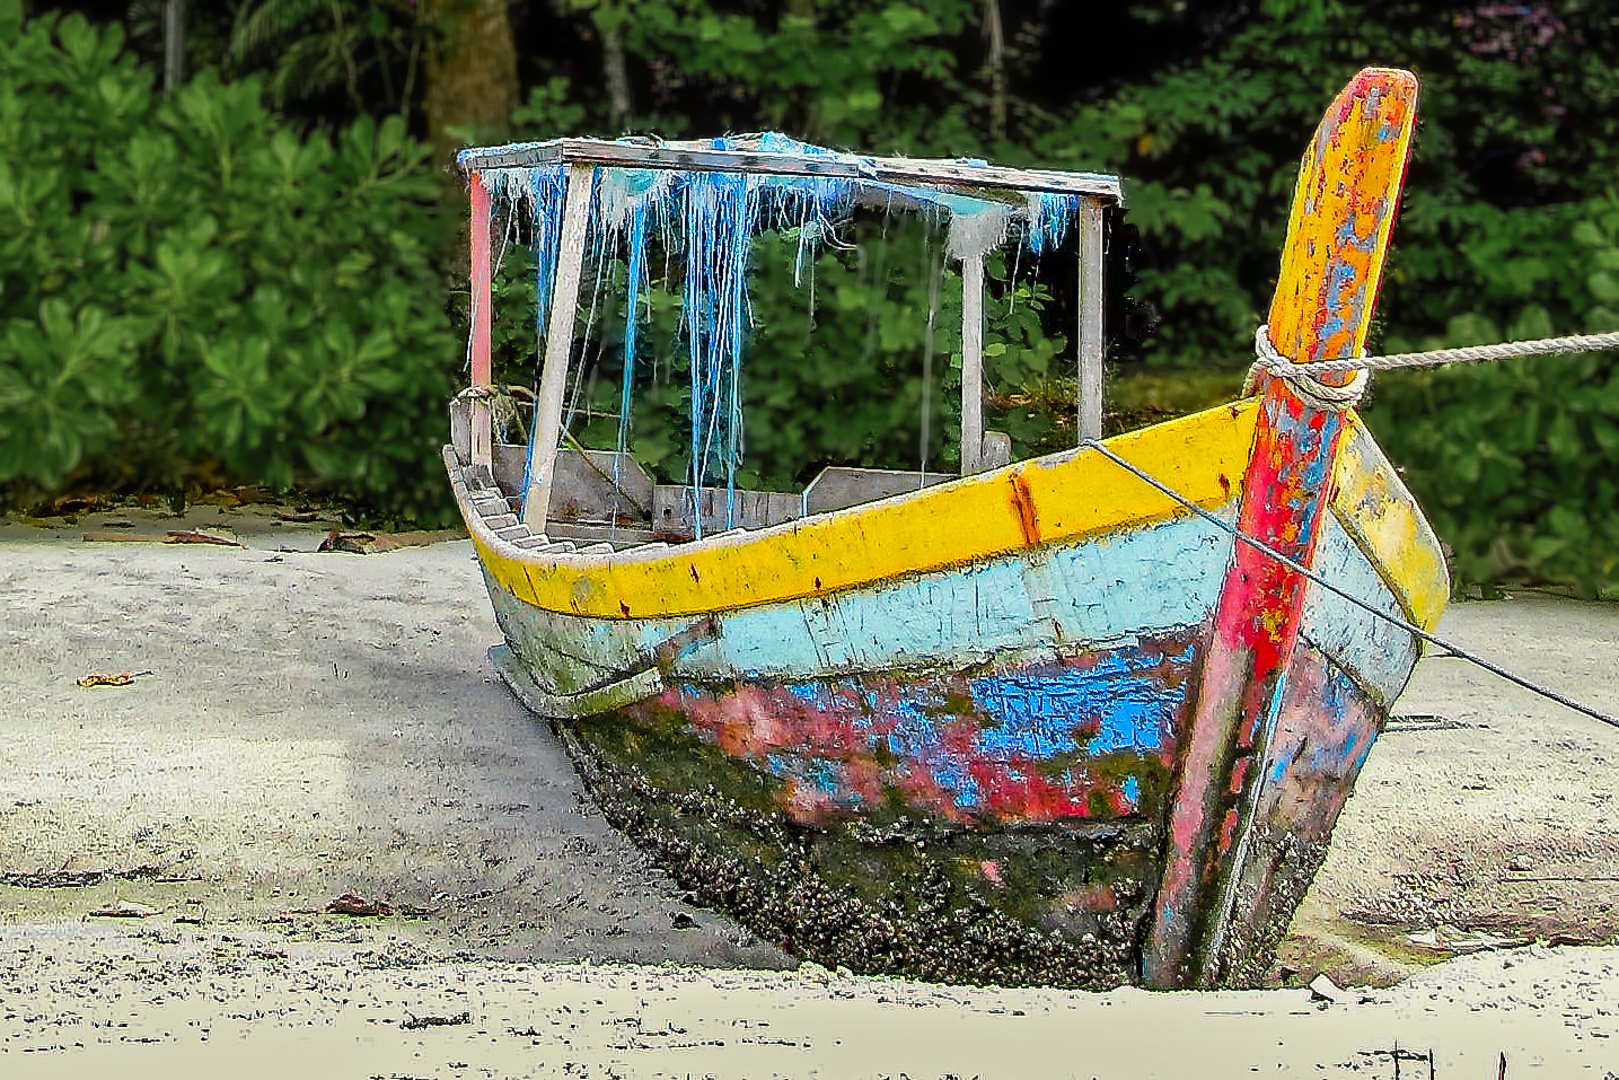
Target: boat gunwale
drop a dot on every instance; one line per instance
(999, 487)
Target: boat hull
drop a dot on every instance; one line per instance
(968, 772)
(1059, 900)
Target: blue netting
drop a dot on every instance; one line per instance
(714, 216)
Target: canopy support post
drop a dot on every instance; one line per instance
(482, 434)
(547, 426)
(972, 364)
(1091, 330)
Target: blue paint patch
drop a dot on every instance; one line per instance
(1119, 701)
(944, 731)
(809, 693)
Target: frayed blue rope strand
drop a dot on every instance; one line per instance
(637, 271)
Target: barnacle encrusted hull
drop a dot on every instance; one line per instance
(970, 773)
(857, 857)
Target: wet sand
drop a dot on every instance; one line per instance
(319, 723)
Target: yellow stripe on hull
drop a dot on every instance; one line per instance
(1047, 500)
(1378, 511)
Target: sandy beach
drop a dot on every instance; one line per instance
(318, 723)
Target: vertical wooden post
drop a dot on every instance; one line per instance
(482, 436)
(972, 363)
(1091, 330)
(1343, 210)
(547, 426)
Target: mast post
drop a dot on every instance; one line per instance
(482, 434)
(1090, 339)
(546, 430)
(972, 363)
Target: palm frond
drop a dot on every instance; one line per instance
(268, 22)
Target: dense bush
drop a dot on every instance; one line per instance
(188, 286)
(176, 304)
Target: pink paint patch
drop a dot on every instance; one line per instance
(850, 746)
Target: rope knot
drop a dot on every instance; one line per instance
(1309, 389)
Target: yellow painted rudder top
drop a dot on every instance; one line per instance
(1346, 184)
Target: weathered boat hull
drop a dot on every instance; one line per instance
(967, 773)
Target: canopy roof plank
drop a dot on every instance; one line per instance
(696, 157)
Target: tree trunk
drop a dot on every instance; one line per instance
(995, 61)
(174, 44)
(471, 74)
(614, 73)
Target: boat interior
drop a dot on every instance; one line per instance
(604, 499)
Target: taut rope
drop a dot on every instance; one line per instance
(1411, 628)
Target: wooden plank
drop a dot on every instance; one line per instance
(1091, 332)
(699, 158)
(547, 427)
(972, 364)
(1343, 208)
(838, 486)
(482, 437)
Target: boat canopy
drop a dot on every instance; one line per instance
(714, 194)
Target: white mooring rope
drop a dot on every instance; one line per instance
(1311, 390)
(1276, 364)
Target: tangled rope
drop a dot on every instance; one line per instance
(1301, 377)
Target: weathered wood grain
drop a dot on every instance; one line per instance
(1091, 333)
(972, 363)
(700, 158)
(558, 346)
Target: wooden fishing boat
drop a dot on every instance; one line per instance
(1036, 723)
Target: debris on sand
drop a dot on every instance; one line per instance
(352, 903)
(412, 1022)
(102, 678)
(364, 543)
(63, 878)
(123, 909)
(1325, 990)
(186, 536)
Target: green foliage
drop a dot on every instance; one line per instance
(1502, 229)
(278, 316)
(196, 313)
(316, 48)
